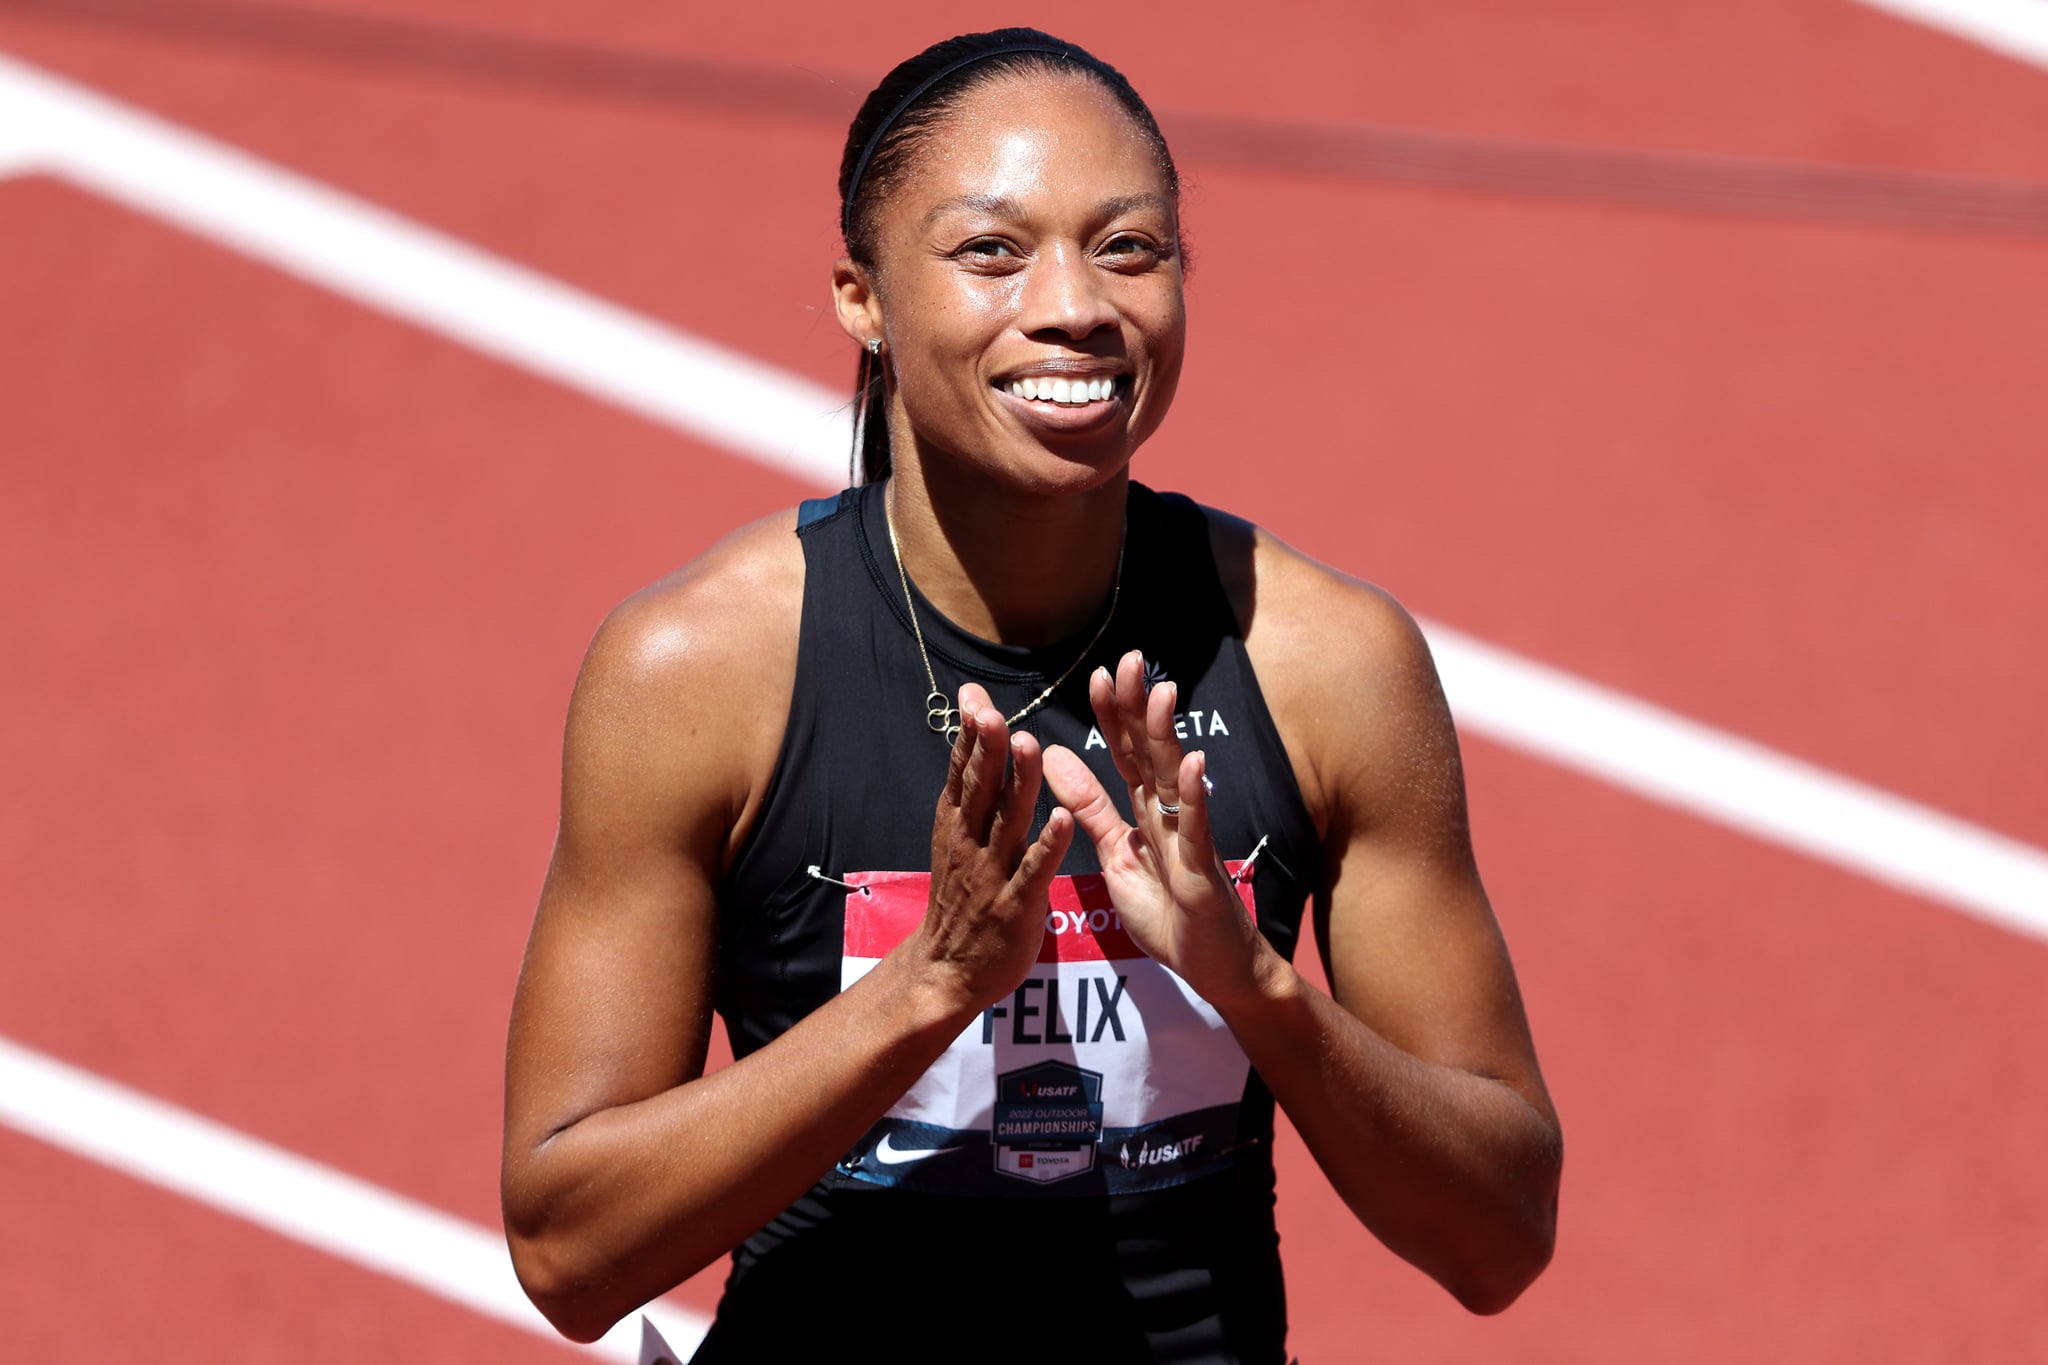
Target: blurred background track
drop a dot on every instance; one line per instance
(1694, 350)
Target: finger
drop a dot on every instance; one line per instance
(1197, 846)
(981, 784)
(957, 761)
(1075, 788)
(1041, 861)
(1163, 745)
(1102, 698)
(1130, 706)
(973, 696)
(1020, 796)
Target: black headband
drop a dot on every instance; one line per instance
(903, 106)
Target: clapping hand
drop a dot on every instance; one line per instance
(986, 915)
(1163, 872)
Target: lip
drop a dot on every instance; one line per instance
(1064, 369)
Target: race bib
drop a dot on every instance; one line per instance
(1101, 1064)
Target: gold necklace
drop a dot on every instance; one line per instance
(941, 717)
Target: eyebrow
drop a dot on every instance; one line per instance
(1004, 206)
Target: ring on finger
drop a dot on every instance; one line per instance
(1169, 809)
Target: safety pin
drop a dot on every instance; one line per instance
(1244, 869)
(823, 876)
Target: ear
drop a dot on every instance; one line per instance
(855, 301)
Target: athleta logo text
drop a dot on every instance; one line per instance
(1186, 725)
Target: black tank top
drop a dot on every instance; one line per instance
(1086, 1174)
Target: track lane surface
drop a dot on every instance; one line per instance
(1799, 80)
(1790, 1115)
(358, 411)
(96, 1266)
(240, 564)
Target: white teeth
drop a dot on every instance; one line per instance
(1072, 392)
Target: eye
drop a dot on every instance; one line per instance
(1129, 251)
(988, 249)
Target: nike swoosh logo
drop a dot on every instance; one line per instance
(891, 1155)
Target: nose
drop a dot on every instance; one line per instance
(1065, 296)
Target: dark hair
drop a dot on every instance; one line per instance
(895, 120)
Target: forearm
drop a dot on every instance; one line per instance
(1456, 1172)
(628, 1201)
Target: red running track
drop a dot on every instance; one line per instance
(299, 592)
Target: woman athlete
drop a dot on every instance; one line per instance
(1005, 1068)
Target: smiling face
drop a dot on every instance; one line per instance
(1027, 284)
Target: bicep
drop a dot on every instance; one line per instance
(1415, 953)
(614, 997)
(1409, 937)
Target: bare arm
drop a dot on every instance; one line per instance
(1416, 1087)
(625, 1168)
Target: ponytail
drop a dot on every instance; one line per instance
(871, 462)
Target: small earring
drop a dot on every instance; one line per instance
(874, 345)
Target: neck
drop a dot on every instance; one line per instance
(1015, 568)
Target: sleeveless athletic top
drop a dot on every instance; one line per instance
(1086, 1174)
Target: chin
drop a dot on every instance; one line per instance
(1030, 462)
(1069, 468)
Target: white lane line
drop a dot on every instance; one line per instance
(288, 1194)
(433, 280)
(790, 424)
(21, 151)
(17, 160)
(1734, 782)
(2017, 28)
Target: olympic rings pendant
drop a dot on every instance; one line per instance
(941, 717)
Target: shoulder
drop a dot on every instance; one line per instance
(1343, 667)
(685, 688)
(721, 614)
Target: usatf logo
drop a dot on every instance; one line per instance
(1048, 1121)
(1164, 1154)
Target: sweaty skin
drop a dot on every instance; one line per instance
(1036, 237)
